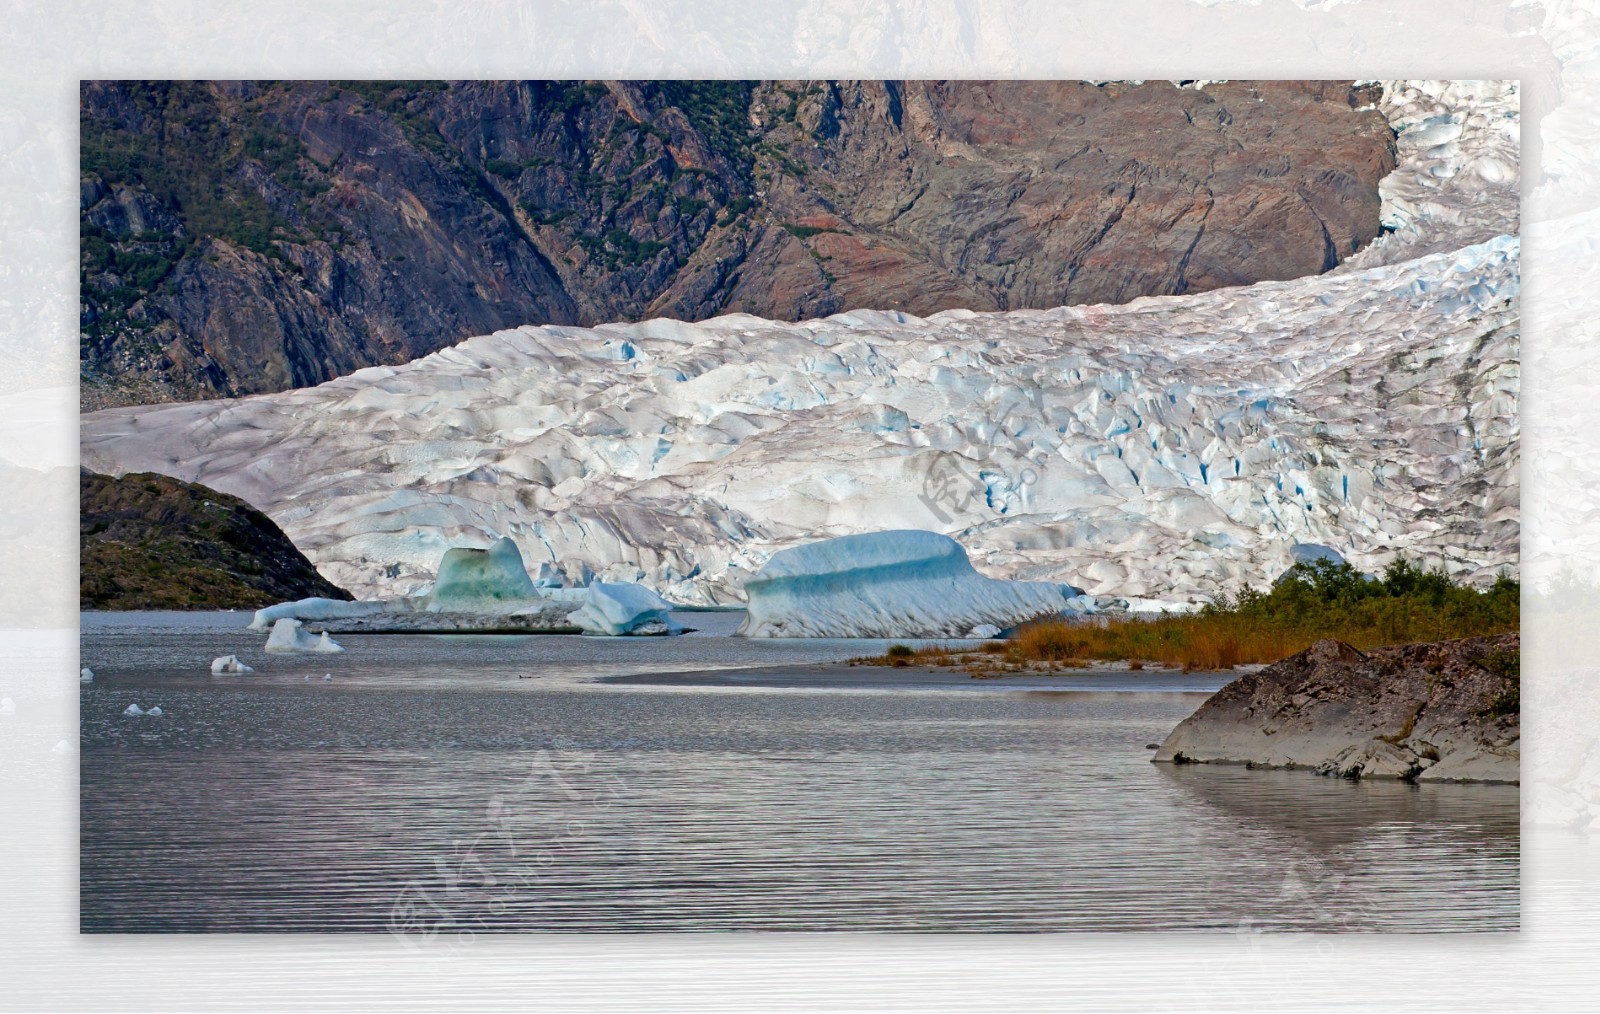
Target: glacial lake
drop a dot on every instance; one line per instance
(440, 787)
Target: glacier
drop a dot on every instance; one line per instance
(1158, 452)
(891, 584)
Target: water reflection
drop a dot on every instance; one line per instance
(429, 791)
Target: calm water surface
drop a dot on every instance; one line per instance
(443, 786)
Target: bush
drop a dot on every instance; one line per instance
(1310, 602)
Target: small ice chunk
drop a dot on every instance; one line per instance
(86, 675)
(62, 746)
(155, 712)
(327, 677)
(229, 663)
(290, 635)
(133, 711)
(984, 631)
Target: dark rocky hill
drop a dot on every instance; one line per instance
(248, 237)
(147, 541)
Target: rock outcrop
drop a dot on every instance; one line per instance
(245, 237)
(1443, 711)
(150, 541)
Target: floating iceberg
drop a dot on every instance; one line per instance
(890, 584)
(155, 712)
(616, 609)
(485, 590)
(229, 663)
(492, 580)
(321, 609)
(86, 675)
(289, 634)
(133, 711)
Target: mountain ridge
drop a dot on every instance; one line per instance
(246, 237)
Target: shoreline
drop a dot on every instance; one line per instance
(844, 676)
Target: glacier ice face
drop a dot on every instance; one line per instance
(888, 584)
(614, 610)
(1457, 180)
(491, 580)
(1159, 451)
(1166, 449)
(289, 635)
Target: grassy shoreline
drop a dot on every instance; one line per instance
(1312, 601)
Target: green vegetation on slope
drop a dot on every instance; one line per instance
(148, 541)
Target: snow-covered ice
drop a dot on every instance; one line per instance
(290, 635)
(229, 664)
(1161, 451)
(889, 584)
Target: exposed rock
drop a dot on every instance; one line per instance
(245, 237)
(149, 541)
(1442, 711)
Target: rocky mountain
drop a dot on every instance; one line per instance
(244, 237)
(149, 541)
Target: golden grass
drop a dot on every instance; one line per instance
(1408, 606)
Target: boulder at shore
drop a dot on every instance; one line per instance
(1441, 711)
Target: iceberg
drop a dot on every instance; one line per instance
(481, 590)
(613, 610)
(890, 584)
(86, 675)
(229, 663)
(290, 635)
(133, 711)
(491, 580)
(321, 609)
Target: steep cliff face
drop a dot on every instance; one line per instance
(249, 237)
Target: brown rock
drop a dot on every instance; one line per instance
(245, 237)
(1442, 711)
